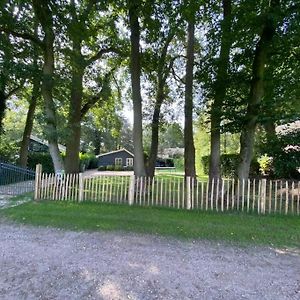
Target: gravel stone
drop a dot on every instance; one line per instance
(47, 263)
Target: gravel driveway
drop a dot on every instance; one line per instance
(56, 264)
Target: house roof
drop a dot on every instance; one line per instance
(116, 151)
(61, 148)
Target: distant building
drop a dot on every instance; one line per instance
(38, 145)
(171, 152)
(125, 158)
(120, 157)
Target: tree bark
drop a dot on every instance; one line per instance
(220, 92)
(135, 71)
(29, 121)
(154, 134)
(36, 84)
(189, 148)
(74, 122)
(2, 108)
(44, 15)
(162, 74)
(256, 93)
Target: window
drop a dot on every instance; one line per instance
(129, 162)
(118, 161)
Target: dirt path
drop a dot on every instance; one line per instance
(42, 263)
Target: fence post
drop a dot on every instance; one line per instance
(38, 179)
(263, 195)
(81, 183)
(131, 190)
(188, 192)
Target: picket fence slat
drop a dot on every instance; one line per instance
(260, 196)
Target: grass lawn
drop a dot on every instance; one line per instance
(242, 229)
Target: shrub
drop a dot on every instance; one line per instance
(43, 158)
(179, 163)
(265, 164)
(102, 168)
(8, 150)
(128, 168)
(88, 161)
(118, 168)
(110, 168)
(229, 163)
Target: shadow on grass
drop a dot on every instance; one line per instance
(237, 228)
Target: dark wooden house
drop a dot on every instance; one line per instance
(38, 145)
(120, 157)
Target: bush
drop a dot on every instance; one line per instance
(179, 163)
(118, 168)
(265, 165)
(229, 163)
(88, 161)
(102, 168)
(43, 158)
(93, 162)
(8, 150)
(128, 168)
(110, 168)
(284, 150)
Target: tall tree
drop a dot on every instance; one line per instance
(189, 148)
(134, 9)
(220, 91)
(81, 32)
(36, 84)
(44, 15)
(261, 56)
(163, 70)
(12, 78)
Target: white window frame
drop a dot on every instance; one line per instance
(118, 161)
(129, 161)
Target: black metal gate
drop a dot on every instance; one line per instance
(15, 180)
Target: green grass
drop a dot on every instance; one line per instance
(241, 229)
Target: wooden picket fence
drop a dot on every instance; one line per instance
(260, 196)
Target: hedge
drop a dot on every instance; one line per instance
(87, 161)
(229, 163)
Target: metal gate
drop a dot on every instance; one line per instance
(15, 180)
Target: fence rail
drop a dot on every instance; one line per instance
(15, 180)
(255, 195)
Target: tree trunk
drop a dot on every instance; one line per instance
(189, 148)
(2, 108)
(29, 121)
(135, 71)
(74, 122)
(44, 15)
(73, 142)
(162, 74)
(220, 92)
(36, 84)
(154, 135)
(256, 94)
(270, 129)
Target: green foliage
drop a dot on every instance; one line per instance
(284, 150)
(265, 164)
(110, 168)
(8, 150)
(179, 163)
(229, 163)
(115, 168)
(88, 161)
(42, 158)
